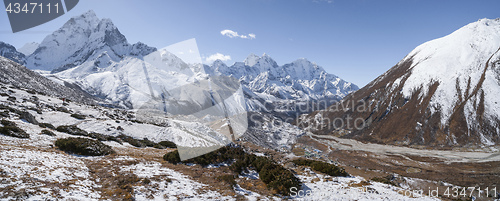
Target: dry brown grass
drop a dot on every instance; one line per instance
(298, 151)
(360, 184)
(115, 185)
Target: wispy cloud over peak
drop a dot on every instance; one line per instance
(217, 56)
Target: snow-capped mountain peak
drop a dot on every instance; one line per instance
(470, 47)
(28, 48)
(81, 39)
(219, 62)
(251, 60)
(84, 21)
(220, 66)
(265, 62)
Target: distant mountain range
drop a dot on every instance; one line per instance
(93, 54)
(299, 82)
(444, 94)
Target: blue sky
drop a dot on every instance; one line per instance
(355, 39)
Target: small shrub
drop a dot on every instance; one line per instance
(78, 116)
(63, 109)
(10, 129)
(11, 99)
(83, 146)
(136, 121)
(14, 131)
(146, 181)
(37, 110)
(283, 181)
(227, 179)
(224, 154)
(275, 176)
(47, 125)
(132, 141)
(139, 143)
(323, 167)
(5, 122)
(238, 166)
(98, 136)
(47, 132)
(147, 142)
(386, 180)
(158, 146)
(168, 144)
(72, 130)
(172, 157)
(113, 138)
(4, 114)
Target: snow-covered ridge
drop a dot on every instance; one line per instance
(457, 62)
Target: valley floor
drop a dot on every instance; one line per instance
(418, 169)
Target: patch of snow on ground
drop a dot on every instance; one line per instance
(180, 187)
(338, 189)
(45, 175)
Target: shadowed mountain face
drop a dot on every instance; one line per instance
(8, 51)
(443, 94)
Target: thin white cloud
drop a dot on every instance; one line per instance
(234, 34)
(217, 56)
